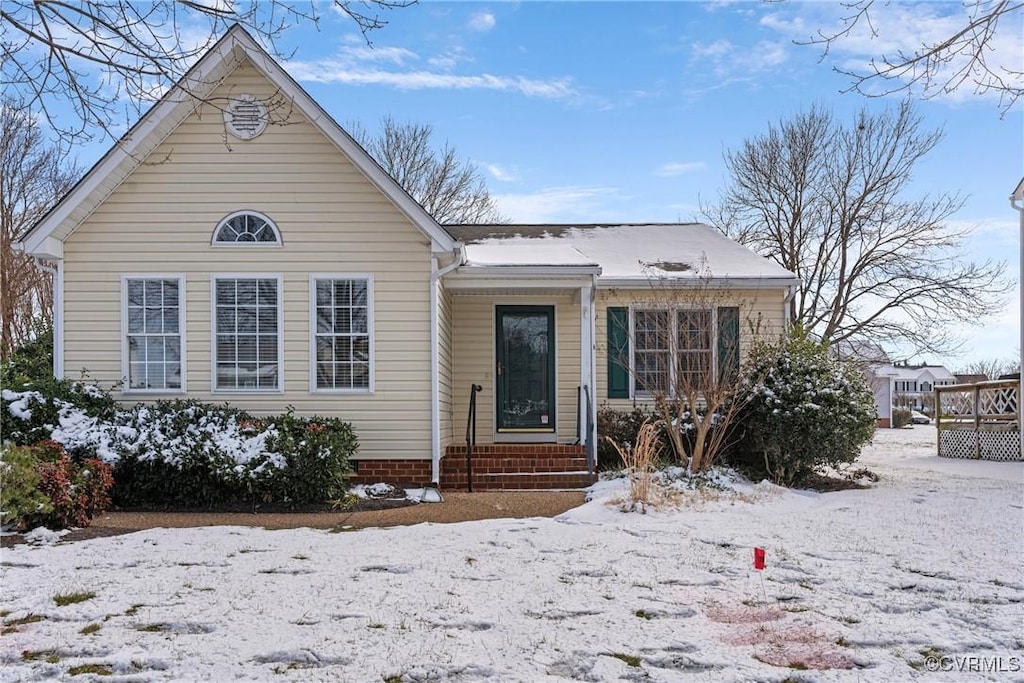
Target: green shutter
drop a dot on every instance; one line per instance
(728, 343)
(618, 352)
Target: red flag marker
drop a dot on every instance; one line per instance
(758, 558)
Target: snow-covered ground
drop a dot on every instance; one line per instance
(923, 571)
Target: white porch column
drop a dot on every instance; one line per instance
(587, 414)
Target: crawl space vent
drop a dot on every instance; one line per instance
(245, 117)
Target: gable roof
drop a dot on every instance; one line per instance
(46, 236)
(628, 254)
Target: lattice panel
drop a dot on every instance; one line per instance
(956, 443)
(956, 403)
(998, 401)
(999, 445)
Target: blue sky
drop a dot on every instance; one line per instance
(614, 111)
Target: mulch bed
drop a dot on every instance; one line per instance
(354, 505)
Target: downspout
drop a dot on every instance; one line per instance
(1017, 202)
(787, 318)
(435, 361)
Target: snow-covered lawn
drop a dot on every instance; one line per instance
(925, 565)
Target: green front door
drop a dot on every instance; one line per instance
(525, 372)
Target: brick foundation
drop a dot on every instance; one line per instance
(883, 423)
(495, 467)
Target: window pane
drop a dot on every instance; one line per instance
(342, 292)
(359, 292)
(154, 349)
(135, 351)
(226, 293)
(247, 349)
(246, 291)
(170, 292)
(324, 320)
(324, 349)
(173, 376)
(359, 320)
(246, 320)
(226, 376)
(268, 292)
(343, 375)
(323, 293)
(172, 348)
(136, 320)
(268, 376)
(267, 320)
(361, 375)
(325, 375)
(226, 348)
(135, 293)
(137, 376)
(361, 348)
(155, 376)
(171, 320)
(342, 320)
(154, 320)
(268, 348)
(694, 329)
(343, 349)
(225, 320)
(154, 293)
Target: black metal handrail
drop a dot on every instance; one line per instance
(471, 434)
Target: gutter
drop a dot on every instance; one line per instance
(58, 308)
(435, 361)
(787, 316)
(1017, 202)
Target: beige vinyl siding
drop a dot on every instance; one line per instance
(473, 359)
(761, 314)
(332, 221)
(444, 348)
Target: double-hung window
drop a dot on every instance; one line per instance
(342, 333)
(153, 339)
(247, 332)
(672, 348)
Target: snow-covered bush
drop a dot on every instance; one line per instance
(802, 409)
(186, 453)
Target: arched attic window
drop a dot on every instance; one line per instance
(246, 227)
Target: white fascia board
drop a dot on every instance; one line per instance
(513, 271)
(696, 283)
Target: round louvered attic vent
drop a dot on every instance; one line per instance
(245, 117)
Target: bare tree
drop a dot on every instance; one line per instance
(963, 57)
(993, 368)
(828, 202)
(451, 190)
(686, 358)
(33, 176)
(99, 57)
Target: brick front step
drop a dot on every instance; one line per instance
(547, 481)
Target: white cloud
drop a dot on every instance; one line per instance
(501, 173)
(481, 21)
(735, 62)
(674, 168)
(399, 68)
(562, 205)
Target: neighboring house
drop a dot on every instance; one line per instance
(972, 378)
(911, 387)
(243, 248)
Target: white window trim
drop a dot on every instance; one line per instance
(126, 389)
(246, 245)
(634, 393)
(368, 277)
(213, 331)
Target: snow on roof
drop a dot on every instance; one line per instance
(679, 251)
(913, 372)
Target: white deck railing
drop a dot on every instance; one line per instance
(979, 421)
